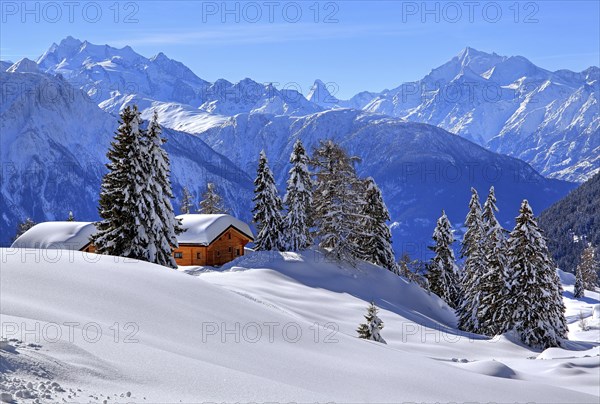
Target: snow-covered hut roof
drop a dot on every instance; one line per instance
(57, 236)
(204, 229)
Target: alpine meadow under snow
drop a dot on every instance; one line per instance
(170, 239)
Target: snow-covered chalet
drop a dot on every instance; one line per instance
(207, 239)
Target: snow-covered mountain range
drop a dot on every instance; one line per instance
(112, 77)
(216, 131)
(507, 104)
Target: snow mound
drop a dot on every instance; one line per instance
(560, 353)
(490, 368)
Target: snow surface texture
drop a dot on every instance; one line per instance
(56, 236)
(176, 339)
(203, 229)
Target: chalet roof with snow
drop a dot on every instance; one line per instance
(199, 230)
(204, 229)
(57, 236)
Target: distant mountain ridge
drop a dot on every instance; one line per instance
(112, 76)
(507, 104)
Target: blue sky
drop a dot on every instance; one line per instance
(357, 45)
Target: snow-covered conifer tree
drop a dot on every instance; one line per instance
(267, 209)
(162, 226)
(472, 250)
(71, 217)
(493, 314)
(589, 268)
(579, 288)
(212, 202)
(376, 240)
(337, 198)
(538, 311)
(371, 329)
(298, 201)
(187, 202)
(442, 274)
(123, 197)
(24, 226)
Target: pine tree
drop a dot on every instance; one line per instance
(413, 270)
(23, 227)
(162, 226)
(267, 209)
(371, 329)
(589, 268)
(376, 241)
(474, 268)
(212, 202)
(579, 288)
(536, 296)
(122, 231)
(71, 217)
(442, 274)
(494, 284)
(298, 201)
(187, 202)
(337, 198)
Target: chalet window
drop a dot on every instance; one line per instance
(229, 236)
(218, 253)
(198, 255)
(230, 249)
(237, 252)
(178, 255)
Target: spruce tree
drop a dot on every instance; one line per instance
(212, 202)
(187, 202)
(536, 296)
(71, 217)
(298, 201)
(371, 329)
(494, 284)
(376, 240)
(442, 273)
(267, 209)
(589, 268)
(122, 231)
(579, 288)
(162, 226)
(474, 267)
(24, 226)
(337, 198)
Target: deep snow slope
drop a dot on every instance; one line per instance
(172, 347)
(421, 169)
(53, 149)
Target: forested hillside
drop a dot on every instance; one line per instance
(572, 222)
